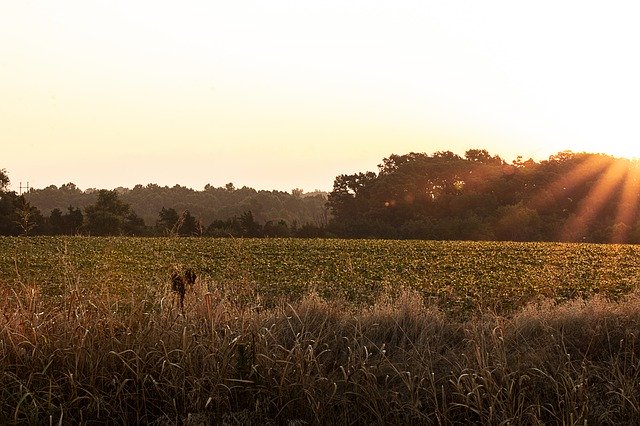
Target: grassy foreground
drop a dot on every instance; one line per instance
(399, 361)
(87, 353)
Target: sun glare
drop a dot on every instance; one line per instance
(616, 187)
(601, 194)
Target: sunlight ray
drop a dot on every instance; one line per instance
(628, 205)
(581, 173)
(591, 205)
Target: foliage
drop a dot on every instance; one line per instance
(4, 180)
(10, 204)
(480, 196)
(29, 217)
(111, 216)
(17, 216)
(206, 206)
(69, 223)
(167, 222)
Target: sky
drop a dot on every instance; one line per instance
(285, 94)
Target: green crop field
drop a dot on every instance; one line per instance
(458, 276)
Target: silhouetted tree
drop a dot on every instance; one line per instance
(28, 217)
(167, 221)
(4, 180)
(72, 220)
(249, 227)
(55, 223)
(188, 224)
(134, 225)
(10, 203)
(110, 216)
(482, 156)
(68, 223)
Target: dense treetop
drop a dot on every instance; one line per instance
(569, 197)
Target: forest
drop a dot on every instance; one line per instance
(581, 197)
(570, 197)
(153, 210)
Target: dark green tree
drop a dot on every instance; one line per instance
(4, 180)
(68, 223)
(167, 221)
(249, 227)
(110, 216)
(134, 225)
(73, 220)
(55, 223)
(349, 196)
(28, 217)
(189, 225)
(9, 204)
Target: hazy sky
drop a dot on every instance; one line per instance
(278, 94)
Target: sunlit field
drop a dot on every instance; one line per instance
(460, 277)
(318, 331)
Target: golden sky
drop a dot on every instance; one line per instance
(283, 94)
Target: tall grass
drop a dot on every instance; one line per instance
(228, 359)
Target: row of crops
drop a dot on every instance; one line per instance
(457, 275)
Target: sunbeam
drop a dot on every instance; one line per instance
(628, 205)
(590, 206)
(581, 173)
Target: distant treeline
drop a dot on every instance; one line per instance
(578, 197)
(208, 205)
(153, 210)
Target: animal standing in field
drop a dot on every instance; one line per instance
(180, 282)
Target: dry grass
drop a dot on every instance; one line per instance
(227, 359)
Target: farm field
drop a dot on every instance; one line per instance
(287, 331)
(458, 276)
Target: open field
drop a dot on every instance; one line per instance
(461, 277)
(318, 332)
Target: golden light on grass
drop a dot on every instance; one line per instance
(401, 360)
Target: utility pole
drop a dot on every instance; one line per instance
(26, 188)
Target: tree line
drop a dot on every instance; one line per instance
(580, 197)
(179, 211)
(208, 205)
